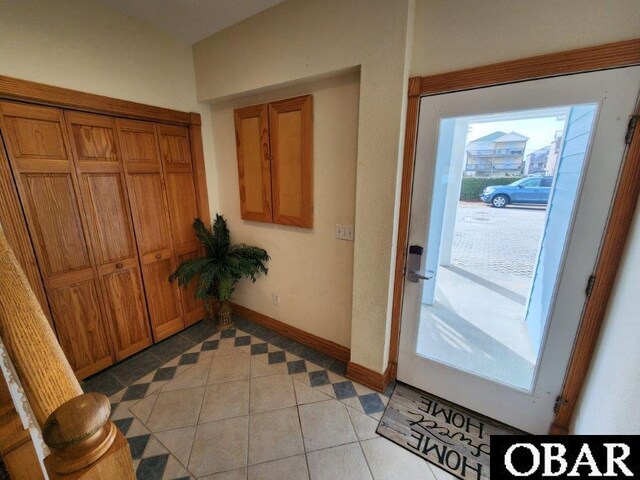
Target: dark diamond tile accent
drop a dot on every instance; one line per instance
(123, 425)
(244, 324)
(258, 348)
(114, 406)
(104, 383)
(241, 341)
(371, 403)
(163, 374)
(277, 357)
(135, 392)
(296, 366)
(199, 332)
(188, 358)
(137, 367)
(210, 345)
(137, 445)
(263, 333)
(171, 348)
(228, 333)
(344, 390)
(338, 367)
(318, 378)
(152, 468)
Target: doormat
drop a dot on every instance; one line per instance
(443, 433)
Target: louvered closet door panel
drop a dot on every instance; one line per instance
(103, 187)
(175, 152)
(145, 183)
(47, 185)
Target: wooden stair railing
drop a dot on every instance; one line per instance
(84, 443)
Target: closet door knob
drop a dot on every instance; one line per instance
(119, 265)
(158, 256)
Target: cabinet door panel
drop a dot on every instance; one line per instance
(164, 298)
(103, 188)
(146, 193)
(254, 167)
(193, 309)
(291, 135)
(53, 206)
(106, 204)
(80, 327)
(39, 154)
(125, 304)
(183, 209)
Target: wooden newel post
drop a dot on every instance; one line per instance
(84, 443)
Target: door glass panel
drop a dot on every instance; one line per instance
(504, 194)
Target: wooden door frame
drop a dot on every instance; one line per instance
(602, 57)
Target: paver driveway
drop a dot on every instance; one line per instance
(502, 240)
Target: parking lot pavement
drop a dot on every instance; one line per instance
(502, 240)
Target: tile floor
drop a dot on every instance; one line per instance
(248, 403)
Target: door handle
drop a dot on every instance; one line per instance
(415, 277)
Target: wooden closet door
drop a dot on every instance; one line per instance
(175, 152)
(103, 187)
(39, 155)
(145, 184)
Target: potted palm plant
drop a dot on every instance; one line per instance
(220, 269)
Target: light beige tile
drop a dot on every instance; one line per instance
(174, 469)
(229, 368)
(155, 386)
(178, 408)
(364, 425)
(136, 429)
(345, 461)
(142, 409)
(196, 376)
(261, 369)
(238, 474)
(153, 447)
(225, 349)
(439, 473)
(302, 377)
(219, 446)
(178, 442)
(116, 397)
(269, 393)
(307, 394)
(122, 410)
(327, 390)
(354, 403)
(325, 424)
(389, 461)
(225, 400)
(292, 468)
(274, 434)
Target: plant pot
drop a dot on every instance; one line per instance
(224, 320)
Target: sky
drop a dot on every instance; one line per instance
(540, 131)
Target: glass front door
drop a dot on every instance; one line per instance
(512, 187)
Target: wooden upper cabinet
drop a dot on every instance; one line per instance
(291, 134)
(48, 189)
(103, 188)
(151, 219)
(254, 166)
(275, 161)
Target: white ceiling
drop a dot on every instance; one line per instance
(190, 20)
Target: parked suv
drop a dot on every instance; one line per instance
(529, 190)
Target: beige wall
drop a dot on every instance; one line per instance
(83, 45)
(311, 270)
(468, 33)
(299, 39)
(610, 397)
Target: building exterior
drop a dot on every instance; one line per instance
(536, 162)
(498, 154)
(554, 153)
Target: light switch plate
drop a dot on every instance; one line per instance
(344, 232)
